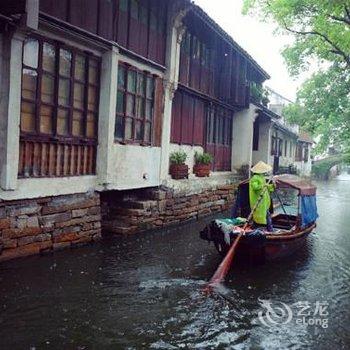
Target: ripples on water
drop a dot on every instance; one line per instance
(146, 291)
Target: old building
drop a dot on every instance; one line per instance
(277, 142)
(95, 95)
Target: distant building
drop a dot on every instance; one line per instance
(279, 143)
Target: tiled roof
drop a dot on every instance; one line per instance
(305, 137)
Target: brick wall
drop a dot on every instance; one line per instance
(42, 225)
(35, 226)
(134, 211)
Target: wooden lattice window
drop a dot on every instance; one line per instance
(299, 152)
(135, 105)
(273, 146)
(219, 137)
(306, 153)
(59, 110)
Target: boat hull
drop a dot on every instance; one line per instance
(269, 247)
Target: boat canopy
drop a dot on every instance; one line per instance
(304, 187)
(306, 191)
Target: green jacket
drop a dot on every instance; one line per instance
(257, 184)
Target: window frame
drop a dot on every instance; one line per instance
(285, 147)
(256, 134)
(135, 118)
(55, 136)
(273, 145)
(305, 152)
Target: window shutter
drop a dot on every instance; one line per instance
(158, 112)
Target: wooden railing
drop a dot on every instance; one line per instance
(56, 159)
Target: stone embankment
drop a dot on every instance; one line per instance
(41, 225)
(161, 207)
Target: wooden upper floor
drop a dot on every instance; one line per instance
(136, 25)
(211, 62)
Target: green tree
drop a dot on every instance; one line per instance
(321, 31)
(323, 107)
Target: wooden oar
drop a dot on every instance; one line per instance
(225, 265)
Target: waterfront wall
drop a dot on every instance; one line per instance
(135, 211)
(41, 225)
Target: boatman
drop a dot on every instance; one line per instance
(257, 186)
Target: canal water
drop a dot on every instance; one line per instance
(145, 292)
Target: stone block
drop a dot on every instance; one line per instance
(79, 221)
(5, 223)
(219, 202)
(97, 236)
(21, 222)
(3, 214)
(26, 250)
(9, 243)
(215, 208)
(63, 204)
(17, 232)
(33, 221)
(169, 194)
(204, 212)
(87, 226)
(226, 187)
(94, 211)
(65, 237)
(51, 220)
(97, 225)
(77, 213)
(158, 222)
(31, 239)
(61, 245)
(23, 209)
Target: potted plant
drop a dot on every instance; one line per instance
(202, 164)
(178, 169)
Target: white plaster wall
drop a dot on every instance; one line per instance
(263, 152)
(10, 108)
(289, 159)
(197, 185)
(242, 142)
(304, 168)
(3, 106)
(43, 187)
(190, 151)
(134, 167)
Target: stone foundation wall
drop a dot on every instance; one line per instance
(40, 225)
(43, 225)
(128, 212)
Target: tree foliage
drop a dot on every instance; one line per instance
(321, 31)
(323, 107)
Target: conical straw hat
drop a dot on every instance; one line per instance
(261, 168)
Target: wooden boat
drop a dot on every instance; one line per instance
(292, 225)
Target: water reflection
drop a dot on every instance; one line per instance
(145, 291)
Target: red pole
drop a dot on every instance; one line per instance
(225, 265)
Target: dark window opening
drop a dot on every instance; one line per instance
(256, 135)
(135, 105)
